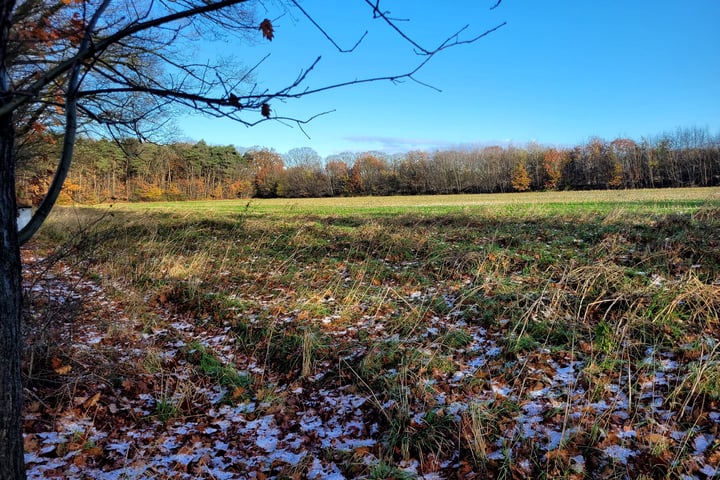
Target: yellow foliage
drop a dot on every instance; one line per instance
(520, 179)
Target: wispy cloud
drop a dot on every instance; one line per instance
(396, 144)
(405, 144)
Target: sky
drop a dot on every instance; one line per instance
(558, 73)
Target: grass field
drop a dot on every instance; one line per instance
(544, 335)
(596, 201)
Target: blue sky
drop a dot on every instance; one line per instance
(558, 73)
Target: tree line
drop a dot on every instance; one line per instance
(129, 170)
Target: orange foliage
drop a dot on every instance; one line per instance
(240, 189)
(148, 192)
(520, 178)
(553, 161)
(617, 175)
(69, 193)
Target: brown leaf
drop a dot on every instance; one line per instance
(92, 401)
(362, 451)
(64, 370)
(31, 443)
(238, 393)
(265, 110)
(73, 446)
(431, 464)
(267, 29)
(714, 458)
(79, 460)
(557, 454)
(94, 451)
(654, 438)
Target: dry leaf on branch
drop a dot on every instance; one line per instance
(267, 29)
(234, 100)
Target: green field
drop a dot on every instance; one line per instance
(545, 335)
(595, 201)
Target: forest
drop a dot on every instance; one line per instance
(129, 170)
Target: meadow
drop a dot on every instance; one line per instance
(541, 335)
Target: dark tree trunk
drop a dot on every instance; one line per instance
(12, 465)
(12, 462)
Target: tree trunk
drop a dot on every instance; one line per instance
(12, 465)
(12, 461)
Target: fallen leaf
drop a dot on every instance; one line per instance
(30, 443)
(94, 451)
(362, 451)
(92, 401)
(80, 460)
(238, 393)
(656, 438)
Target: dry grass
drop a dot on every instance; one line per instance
(457, 324)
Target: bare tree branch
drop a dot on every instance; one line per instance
(92, 49)
(322, 30)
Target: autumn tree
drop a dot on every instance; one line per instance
(267, 168)
(338, 175)
(520, 178)
(616, 176)
(370, 175)
(553, 161)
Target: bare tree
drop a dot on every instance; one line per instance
(73, 64)
(302, 157)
